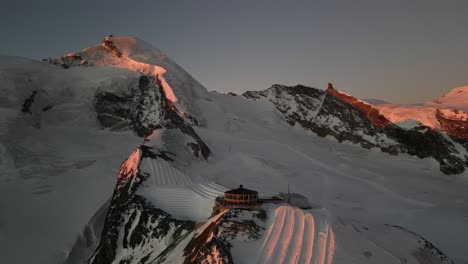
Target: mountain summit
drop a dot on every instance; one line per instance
(455, 99)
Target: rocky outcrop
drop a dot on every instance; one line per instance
(67, 61)
(455, 125)
(26, 107)
(336, 114)
(131, 220)
(145, 109)
(371, 113)
(111, 47)
(76, 59)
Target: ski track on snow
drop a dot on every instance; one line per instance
(291, 239)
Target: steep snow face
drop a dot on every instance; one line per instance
(455, 99)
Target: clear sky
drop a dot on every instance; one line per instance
(403, 51)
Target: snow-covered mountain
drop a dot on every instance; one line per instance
(455, 99)
(448, 113)
(334, 113)
(378, 191)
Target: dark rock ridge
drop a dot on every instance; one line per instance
(145, 109)
(332, 113)
(132, 222)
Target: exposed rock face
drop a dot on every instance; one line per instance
(145, 109)
(333, 113)
(132, 223)
(67, 61)
(136, 232)
(26, 108)
(371, 113)
(455, 125)
(111, 47)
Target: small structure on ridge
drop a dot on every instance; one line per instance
(240, 196)
(237, 198)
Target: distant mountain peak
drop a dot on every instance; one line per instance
(137, 55)
(457, 98)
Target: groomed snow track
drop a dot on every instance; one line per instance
(296, 237)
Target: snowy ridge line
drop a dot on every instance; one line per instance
(209, 222)
(155, 70)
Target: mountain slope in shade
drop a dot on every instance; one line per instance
(455, 99)
(66, 127)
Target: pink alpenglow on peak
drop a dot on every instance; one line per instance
(455, 99)
(129, 167)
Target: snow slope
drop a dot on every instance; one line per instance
(339, 178)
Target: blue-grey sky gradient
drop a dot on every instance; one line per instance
(403, 51)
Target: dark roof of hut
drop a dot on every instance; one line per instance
(241, 190)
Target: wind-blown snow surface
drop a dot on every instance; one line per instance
(60, 164)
